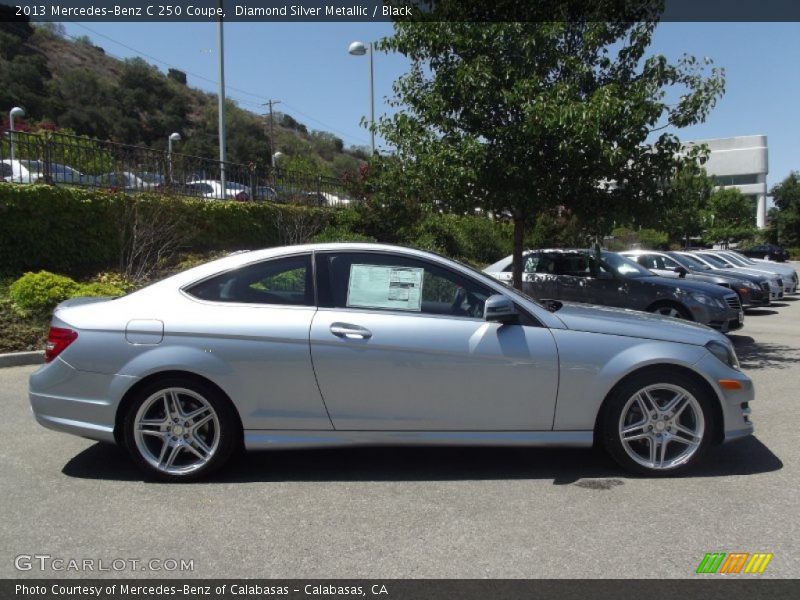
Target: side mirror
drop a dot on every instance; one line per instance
(605, 275)
(500, 309)
(681, 271)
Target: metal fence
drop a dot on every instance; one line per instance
(62, 159)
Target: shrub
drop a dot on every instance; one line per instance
(477, 240)
(116, 280)
(96, 288)
(81, 231)
(340, 234)
(36, 294)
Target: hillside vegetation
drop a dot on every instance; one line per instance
(74, 85)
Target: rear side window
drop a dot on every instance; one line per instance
(287, 281)
(576, 265)
(650, 261)
(5, 170)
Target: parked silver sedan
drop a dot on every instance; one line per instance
(364, 344)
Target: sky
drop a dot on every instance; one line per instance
(306, 66)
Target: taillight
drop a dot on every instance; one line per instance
(57, 341)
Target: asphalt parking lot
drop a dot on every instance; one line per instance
(422, 512)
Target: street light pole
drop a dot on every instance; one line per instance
(371, 99)
(14, 112)
(221, 106)
(359, 49)
(174, 137)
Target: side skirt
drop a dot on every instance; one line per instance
(276, 439)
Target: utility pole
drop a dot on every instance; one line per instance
(223, 157)
(271, 103)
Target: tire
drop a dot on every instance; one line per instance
(684, 423)
(178, 429)
(675, 311)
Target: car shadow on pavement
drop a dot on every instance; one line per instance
(760, 355)
(759, 312)
(584, 467)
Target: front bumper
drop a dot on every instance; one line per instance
(77, 402)
(735, 404)
(725, 320)
(751, 298)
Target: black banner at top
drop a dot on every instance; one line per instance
(388, 10)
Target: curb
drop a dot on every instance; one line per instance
(19, 359)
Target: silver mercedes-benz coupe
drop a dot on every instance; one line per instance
(348, 344)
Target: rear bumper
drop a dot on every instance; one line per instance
(77, 402)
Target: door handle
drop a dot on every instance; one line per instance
(350, 332)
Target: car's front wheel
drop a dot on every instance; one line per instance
(671, 310)
(180, 430)
(658, 424)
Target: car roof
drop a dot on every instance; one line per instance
(239, 259)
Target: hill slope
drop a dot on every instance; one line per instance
(75, 85)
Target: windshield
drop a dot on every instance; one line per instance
(715, 262)
(690, 262)
(32, 165)
(735, 259)
(151, 177)
(741, 257)
(624, 267)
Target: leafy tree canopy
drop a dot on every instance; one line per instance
(731, 216)
(786, 196)
(521, 117)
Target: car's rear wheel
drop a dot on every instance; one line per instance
(180, 430)
(658, 424)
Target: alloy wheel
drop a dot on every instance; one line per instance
(669, 311)
(177, 431)
(661, 426)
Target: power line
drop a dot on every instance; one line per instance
(153, 58)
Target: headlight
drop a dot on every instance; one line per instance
(751, 285)
(724, 352)
(707, 300)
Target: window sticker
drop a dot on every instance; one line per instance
(392, 288)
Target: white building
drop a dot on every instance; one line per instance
(741, 162)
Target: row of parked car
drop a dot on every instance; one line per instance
(33, 171)
(713, 287)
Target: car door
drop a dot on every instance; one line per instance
(399, 343)
(610, 288)
(256, 320)
(573, 276)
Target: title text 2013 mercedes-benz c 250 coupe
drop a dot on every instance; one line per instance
(348, 344)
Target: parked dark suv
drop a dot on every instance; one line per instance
(613, 280)
(766, 251)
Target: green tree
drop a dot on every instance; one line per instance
(687, 196)
(521, 117)
(786, 196)
(731, 216)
